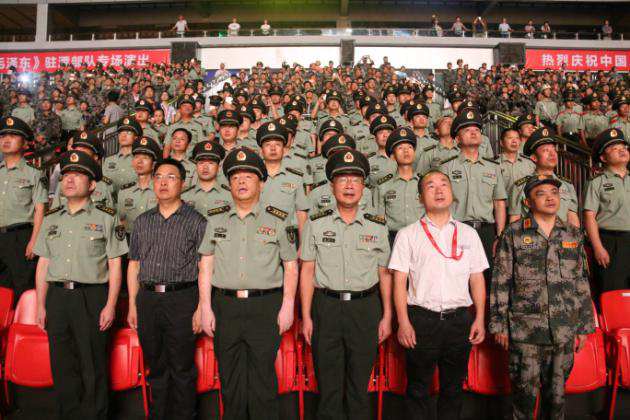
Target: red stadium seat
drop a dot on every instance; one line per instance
(286, 364)
(207, 370)
(26, 310)
(615, 308)
(6, 315)
(488, 369)
(127, 363)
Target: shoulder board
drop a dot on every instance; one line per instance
(131, 184)
(567, 180)
(295, 171)
(448, 160)
(426, 149)
(52, 211)
(496, 157)
(521, 181)
(319, 184)
(218, 210)
(225, 187)
(525, 157)
(384, 179)
(300, 155)
(106, 180)
(106, 209)
(321, 214)
(32, 165)
(188, 189)
(274, 211)
(596, 176)
(376, 219)
(369, 155)
(314, 156)
(490, 160)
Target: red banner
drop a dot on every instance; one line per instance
(50, 60)
(578, 59)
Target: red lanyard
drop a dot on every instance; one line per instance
(435, 245)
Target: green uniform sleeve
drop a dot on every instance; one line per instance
(56, 201)
(41, 247)
(308, 242)
(116, 240)
(499, 190)
(582, 123)
(591, 197)
(515, 202)
(207, 244)
(585, 322)
(386, 251)
(301, 201)
(286, 240)
(502, 277)
(40, 191)
(573, 206)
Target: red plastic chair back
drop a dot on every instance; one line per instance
(125, 360)
(27, 361)
(286, 364)
(207, 367)
(488, 369)
(589, 366)
(6, 307)
(26, 309)
(615, 308)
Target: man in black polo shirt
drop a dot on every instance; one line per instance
(163, 293)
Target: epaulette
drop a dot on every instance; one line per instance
(426, 149)
(313, 156)
(295, 171)
(280, 214)
(106, 209)
(225, 187)
(53, 210)
(319, 184)
(596, 176)
(525, 157)
(218, 210)
(384, 179)
(300, 155)
(496, 157)
(490, 160)
(521, 181)
(108, 181)
(188, 189)
(129, 185)
(448, 160)
(376, 219)
(321, 214)
(369, 155)
(567, 180)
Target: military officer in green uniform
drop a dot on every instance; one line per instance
(435, 109)
(514, 165)
(317, 164)
(607, 211)
(418, 116)
(249, 261)
(246, 136)
(540, 301)
(380, 162)
(23, 110)
(185, 104)
(361, 130)
(137, 197)
(23, 197)
(118, 167)
(546, 110)
(229, 121)
(144, 111)
(478, 188)
(294, 156)
(593, 121)
(208, 193)
(525, 124)
(78, 280)
(302, 138)
(568, 121)
(345, 252)
(87, 142)
(396, 194)
(621, 104)
(541, 148)
(431, 156)
(70, 117)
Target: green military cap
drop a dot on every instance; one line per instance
(147, 146)
(80, 162)
(338, 142)
(404, 108)
(247, 111)
(471, 117)
(216, 100)
(399, 136)
(381, 123)
(330, 125)
(241, 92)
(227, 88)
(427, 88)
(299, 98)
(540, 136)
(357, 95)
(467, 105)
(347, 162)
(14, 125)
(333, 95)
(244, 159)
(456, 97)
(130, 124)
(208, 150)
(589, 99)
(257, 103)
(418, 108)
(536, 180)
(185, 99)
(200, 99)
(404, 89)
(366, 101)
(24, 92)
(620, 100)
(294, 105)
(143, 105)
(272, 131)
(375, 108)
(88, 140)
(524, 119)
(389, 90)
(604, 139)
(569, 97)
(289, 122)
(229, 117)
(276, 90)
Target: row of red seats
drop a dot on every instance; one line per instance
(27, 362)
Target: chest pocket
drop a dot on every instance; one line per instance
(568, 262)
(23, 193)
(92, 244)
(54, 242)
(328, 249)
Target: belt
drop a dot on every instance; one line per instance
(72, 285)
(17, 226)
(476, 224)
(163, 288)
(443, 315)
(615, 232)
(347, 296)
(246, 293)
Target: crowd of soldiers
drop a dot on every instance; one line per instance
(305, 181)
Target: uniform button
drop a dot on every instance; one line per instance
(67, 260)
(69, 231)
(69, 245)
(141, 208)
(6, 182)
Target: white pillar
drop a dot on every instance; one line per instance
(41, 27)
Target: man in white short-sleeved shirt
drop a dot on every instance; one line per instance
(443, 260)
(181, 26)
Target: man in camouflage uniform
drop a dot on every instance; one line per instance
(540, 301)
(47, 124)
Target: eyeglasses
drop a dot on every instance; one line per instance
(167, 177)
(349, 180)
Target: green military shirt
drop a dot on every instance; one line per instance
(78, 245)
(397, 200)
(476, 185)
(623, 125)
(249, 141)
(608, 196)
(133, 200)
(303, 141)
(70, 119)
(380, 165)
(432, 156)
(298, 163)
(322, 198)
(102, 194)
(248, 252)
(150, 131)
(540, 292)
(516, 170)
(285, 191)
(21, 187)
(435, 112)
(546, 110)
(25, 113)
(193, 126)
(568, 121)
(324, 116)
(593, 123)
(191, 171)
(207, 124)
(203, 201)
(118, 168)
(316, 165)
(347, 256)
(568, 198)
(395, 114)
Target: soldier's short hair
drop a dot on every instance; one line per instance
(507, 130)
(427, 174)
